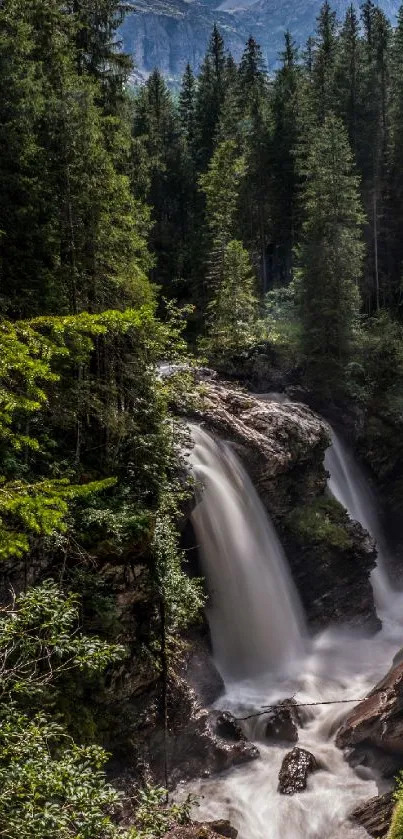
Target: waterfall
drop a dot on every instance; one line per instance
(349, 486)
(255, 617)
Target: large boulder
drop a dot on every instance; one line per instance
(375, 815)
(282, 446)
(375, 726)
(227, 727)
(283, 722)
(295, 770)
(193, 745)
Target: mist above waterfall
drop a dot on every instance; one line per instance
(255, 616)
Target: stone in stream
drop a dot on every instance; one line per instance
(373, 731)
(376, 815)
(283, 721)
(227, 726)
(295, 768)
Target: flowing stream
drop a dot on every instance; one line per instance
(261, 648)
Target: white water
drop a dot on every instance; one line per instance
(349, 486)
(252, 631)
(339, 664)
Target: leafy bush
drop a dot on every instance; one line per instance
(154, 816)
(50, 788)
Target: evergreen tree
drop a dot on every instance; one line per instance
(221, 185)
(330, 257)
(373, 147)
(98, 48)
(231, 314)
(187, 106)
(349, 77)
(252, 73)
(395, 166)
(157, 128)
(324, 57)
(285, 118)
(210, 98)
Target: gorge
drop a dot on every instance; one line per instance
(264, 653)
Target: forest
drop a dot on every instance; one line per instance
(248, 215)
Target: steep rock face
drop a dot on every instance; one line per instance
(168, 34)
(282, 447)
(377, 722)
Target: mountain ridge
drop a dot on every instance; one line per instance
(166, 34)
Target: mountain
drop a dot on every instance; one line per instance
(169, 33)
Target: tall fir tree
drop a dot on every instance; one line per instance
(330, 257)
(285, 119)
(161, 145)
(221, 186)
(324, 57)
(210, 98)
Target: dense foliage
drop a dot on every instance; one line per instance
(248, 209)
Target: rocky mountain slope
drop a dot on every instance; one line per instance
(169, 33)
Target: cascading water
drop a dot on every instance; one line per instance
(255, 617)
(339, 665)
(349, 486)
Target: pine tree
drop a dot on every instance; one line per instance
(285, 119)
(349, 76)
(231, 314)
(157, 128)
(395, 165)
(252, 73)
(221, 185)
(373, 144)
(187, 106)
(27, 257)
(330, 257)
(324, 61)
(98, 48)
(210, 98)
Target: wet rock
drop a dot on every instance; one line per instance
(377, 722)
(227, 727)
(375, 815)
(295, 769)
(283, 722)
(201, 673)
(193, 747)
(203, 830)
(223, 828)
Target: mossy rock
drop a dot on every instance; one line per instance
(322, 522)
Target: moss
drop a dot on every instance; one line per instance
(322, 522)
(396, 828)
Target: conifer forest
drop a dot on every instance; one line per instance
(201, 433)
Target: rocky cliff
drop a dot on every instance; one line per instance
(169, 33)
(282, 447)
